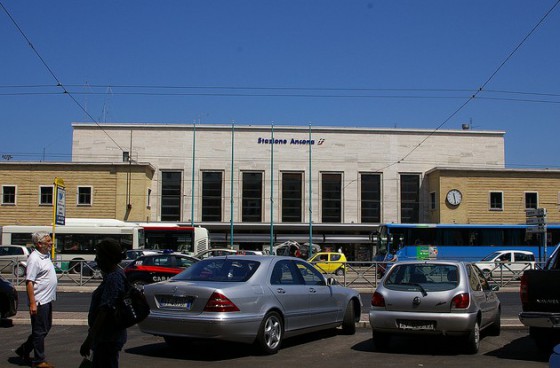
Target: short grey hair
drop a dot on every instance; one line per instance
(38, 236)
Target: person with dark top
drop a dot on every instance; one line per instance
(104, 338)
(40, 285)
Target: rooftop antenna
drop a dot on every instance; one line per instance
(468, 126)
(87, 88)
(107, 103)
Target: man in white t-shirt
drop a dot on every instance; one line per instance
(40, 284)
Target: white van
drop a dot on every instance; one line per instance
(507, 262)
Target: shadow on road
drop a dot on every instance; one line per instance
(523, 348)
(197, 350)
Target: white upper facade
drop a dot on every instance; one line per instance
(343, 150)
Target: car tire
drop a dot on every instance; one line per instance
(75, 266)
(349, 321)
(271, 332)
(19, 270)
(339, 272)
(381, 341)
(473, 339)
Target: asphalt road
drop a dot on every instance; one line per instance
(318, 350)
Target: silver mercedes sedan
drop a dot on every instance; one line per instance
(434, 298)
(249, 299)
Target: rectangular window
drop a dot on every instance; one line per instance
(433, 201)
(171, 195)
(46, 195)
(149, 198)
(84, 196)
(496, 201)
(292, 196)
(8, 194)
(252, 197)
(211, 196)
(371, 197)
(410, 199)
(531, 200)
(331, 198)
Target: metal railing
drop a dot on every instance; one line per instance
(356, 274)
(80, 273)
(361, 274)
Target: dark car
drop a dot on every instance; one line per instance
(92, 270)
(8, 299)
(157, 267)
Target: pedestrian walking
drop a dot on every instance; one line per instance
(104, 338)
(40, 284)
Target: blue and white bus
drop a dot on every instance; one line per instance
(467, 242)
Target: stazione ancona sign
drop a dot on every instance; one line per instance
(291, 141)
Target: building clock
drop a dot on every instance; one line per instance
(454, 197)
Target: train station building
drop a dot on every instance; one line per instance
(251, 186)
(277, 183)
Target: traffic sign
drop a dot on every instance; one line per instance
(535, 220)
(536, 212)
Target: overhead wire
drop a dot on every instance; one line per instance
(479, 90)
(53, 75)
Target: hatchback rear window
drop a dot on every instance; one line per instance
(430, 277)
(220, 270)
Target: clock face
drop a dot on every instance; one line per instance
(454, 197)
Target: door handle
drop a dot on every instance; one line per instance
(281, 291)
(312, 290)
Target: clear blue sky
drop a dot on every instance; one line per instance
(391, 63)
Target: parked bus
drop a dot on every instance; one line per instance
(467, 242)
(160, 235)
(190, 240)
(77, 241)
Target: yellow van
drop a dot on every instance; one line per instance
(329, 262)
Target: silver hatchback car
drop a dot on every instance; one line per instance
(434, 298)
(250, 299)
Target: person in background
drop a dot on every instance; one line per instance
(40, 285)
(104, 338)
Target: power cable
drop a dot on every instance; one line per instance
(53, 75)
(479, 89)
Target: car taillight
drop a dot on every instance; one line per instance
(460, 301)
(524, 290)
(377, 300)
(220, 303)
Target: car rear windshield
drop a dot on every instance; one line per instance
(220, 270)
(430, 277)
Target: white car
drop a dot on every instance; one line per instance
(13, 258)
(507, 262)
(226, 252)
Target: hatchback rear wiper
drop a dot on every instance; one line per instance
(422, 290)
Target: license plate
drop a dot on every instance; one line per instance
(416, 325)
(175, 302)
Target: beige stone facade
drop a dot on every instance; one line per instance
(118, 191)
(348, 151)
(516, 187)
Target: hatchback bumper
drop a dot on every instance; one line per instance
(444, 323)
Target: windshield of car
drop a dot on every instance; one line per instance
(422, 276)
(220, 270)
(491, 256)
